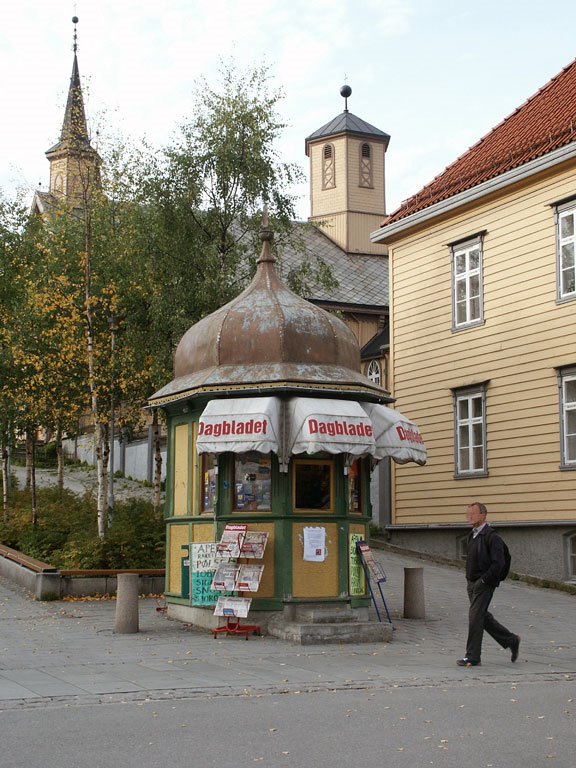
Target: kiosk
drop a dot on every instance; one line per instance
(272, 425)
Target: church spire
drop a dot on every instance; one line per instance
(74, 127)
(74, 163)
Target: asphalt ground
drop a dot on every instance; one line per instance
(66, 653)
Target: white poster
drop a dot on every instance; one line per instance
(315, 544)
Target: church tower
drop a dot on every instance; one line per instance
(347, 180)
(74, 164)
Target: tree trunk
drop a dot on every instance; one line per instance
(60, 458)
(106, 463)
(101, 508)
(33, 486)
(5, 480)
(29, 458)
(157, 463)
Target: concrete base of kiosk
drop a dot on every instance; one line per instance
(314, 624)
(305, 624)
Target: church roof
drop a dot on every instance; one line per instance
(362, 278)
(346, 122)
(545, 122)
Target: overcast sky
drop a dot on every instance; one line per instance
(434, 74)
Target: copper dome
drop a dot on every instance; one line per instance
(267, 338)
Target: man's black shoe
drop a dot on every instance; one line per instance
(465, 662)
(514, 648)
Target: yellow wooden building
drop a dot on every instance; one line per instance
(483, 312)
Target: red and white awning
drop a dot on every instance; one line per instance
(334, 426)
(395, 435)
(239, 425)
(309, 425)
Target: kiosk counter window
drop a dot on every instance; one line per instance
(252, 482)
(314, 485)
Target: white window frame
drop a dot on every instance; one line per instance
(374, 372)
(467, 277)
(566, 241)
(571, 556)
(472, 426)
(567, 407)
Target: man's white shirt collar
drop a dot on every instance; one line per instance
(476, 531)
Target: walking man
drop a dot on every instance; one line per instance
(485, 563)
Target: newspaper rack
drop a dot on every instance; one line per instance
(237, 542)
(374, 573)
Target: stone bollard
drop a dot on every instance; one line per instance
(127, 604)
(414, 593)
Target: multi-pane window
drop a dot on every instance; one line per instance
(470, 432)
(467, 283)
(373, 372)
(366, 166)
(566, 251)
(568, 411)
(572, 557)
(328, 171)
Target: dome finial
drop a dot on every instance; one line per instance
(267, 236)
(345, 91)
(75, 45)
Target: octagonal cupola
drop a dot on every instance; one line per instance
(268, 339)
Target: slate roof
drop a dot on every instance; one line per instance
(346, 122)
(542, 124)
(362, 278)
(377, 344)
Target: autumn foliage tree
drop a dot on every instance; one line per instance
(156, 239)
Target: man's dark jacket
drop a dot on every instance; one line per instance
(485, 557)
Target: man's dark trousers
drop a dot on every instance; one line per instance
(480, 619)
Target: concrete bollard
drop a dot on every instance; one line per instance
(127, 604)
(414, 607)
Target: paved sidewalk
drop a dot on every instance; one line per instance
(53, 653)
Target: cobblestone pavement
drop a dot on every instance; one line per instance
(67, 651)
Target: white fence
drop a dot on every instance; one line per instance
(135, 459)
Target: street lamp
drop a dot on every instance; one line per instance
(113, 324)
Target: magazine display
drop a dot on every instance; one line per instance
(230, 544)
(254, 544)
(248, 578)
(233, 607)
(225, 578)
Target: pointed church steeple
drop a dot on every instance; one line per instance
(74, 163)
(74, 127)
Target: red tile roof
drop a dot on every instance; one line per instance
(545, 122)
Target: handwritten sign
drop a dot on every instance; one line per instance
(203, 567)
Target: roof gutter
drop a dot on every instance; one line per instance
(561, 155)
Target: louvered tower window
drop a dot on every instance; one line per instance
(366, 166)
(328, 173)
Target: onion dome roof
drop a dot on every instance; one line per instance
(268, 338)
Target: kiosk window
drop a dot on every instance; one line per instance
(313, 485)
(252, 481)
(355, 487)
(209, 481)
